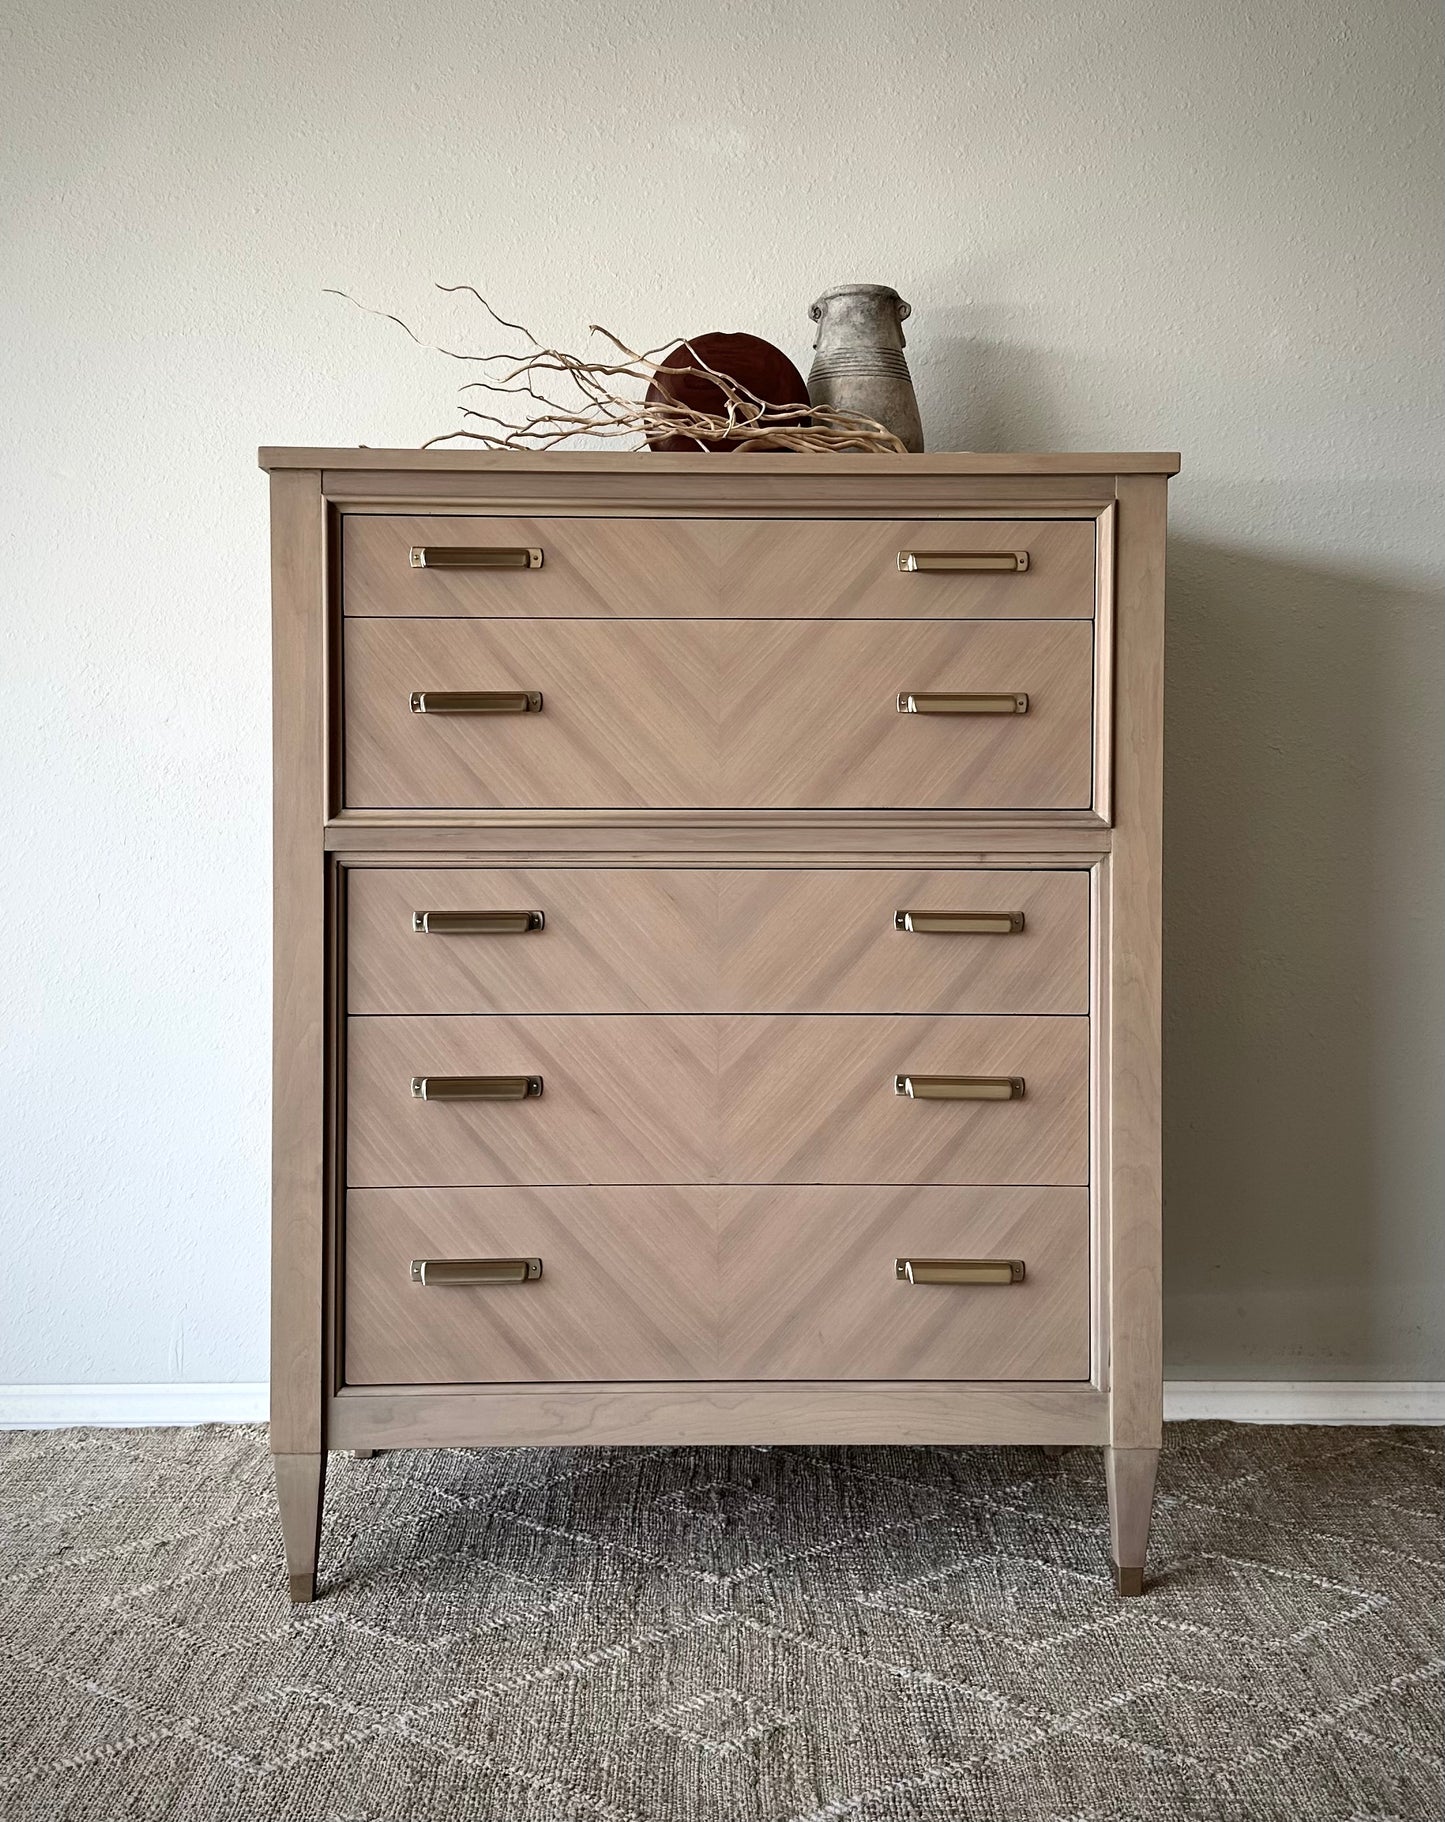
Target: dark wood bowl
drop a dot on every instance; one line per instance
(748, 359)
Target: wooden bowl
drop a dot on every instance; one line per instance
(748, 359)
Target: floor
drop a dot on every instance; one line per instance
(723, 1635)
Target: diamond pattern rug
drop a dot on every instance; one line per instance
(723, 1635)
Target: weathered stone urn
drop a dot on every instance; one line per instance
(858, 362)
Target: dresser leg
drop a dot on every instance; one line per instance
(1129, 1474)
(300, 1487)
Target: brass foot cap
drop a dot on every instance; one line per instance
(1127, 1580)
(303, 1589)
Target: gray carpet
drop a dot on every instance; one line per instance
(722, 1635)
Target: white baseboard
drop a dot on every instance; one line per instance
(1306, 1400)
(46, 1407)
(56, 1407)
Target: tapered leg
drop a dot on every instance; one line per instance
(300, 1487)
(361, 1454)
(1130, 1477)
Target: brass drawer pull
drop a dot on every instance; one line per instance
(959, 923)
(960, 1087)
(960, 1271)
(910, 702)
(1014, 562)
(475, 1271)
(476, 702)
(474, 556)
(475, 1087)
(476, 923)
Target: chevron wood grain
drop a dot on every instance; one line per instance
(718, 714)
(717, 940)
(623, 1101)
(742, 1283)
(716, 1098)
(628, 1286)
(809, 715)
(824, 941)
(839, 569)
(811, 1100)
(636, 940)
(629, 715)
(686, 568)
(808, 1288)
(591, 568)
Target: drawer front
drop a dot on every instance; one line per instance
(719, 714)
(732, 1099)
(718, 940)
(726, 1283)
(810, 1288)
(705, 568)
(627, 1289)
(808, 1100)
(830, 941)
(590, 568)
(638, 940)
(623, 1101)
(870, 569)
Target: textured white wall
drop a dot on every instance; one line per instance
(1129, 225)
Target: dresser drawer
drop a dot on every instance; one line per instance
(872, 569)
(698, 1283)
(810, 1287)
(715, 1099)
(716, 940)
(631, 569)
(720, 714)
(627, 1287)
(814, 1100)
(624, 1100)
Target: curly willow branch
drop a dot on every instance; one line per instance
(599, 409)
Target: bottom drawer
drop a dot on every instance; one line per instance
(771, 1282)
(809, 1287)
(627, 1291)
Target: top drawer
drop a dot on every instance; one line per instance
(683, 569)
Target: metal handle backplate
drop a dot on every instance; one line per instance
(475, 1087)
(1009, 561)
(476, 923)
(475, 1271)
(914, 702)
(960, 1271)
(959, 923)
(960, 1087)
(475, 556)
(476, 702)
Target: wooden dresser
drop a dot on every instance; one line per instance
(716, 955)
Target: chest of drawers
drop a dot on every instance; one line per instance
(716, 956)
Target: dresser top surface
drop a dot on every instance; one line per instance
(484, 461)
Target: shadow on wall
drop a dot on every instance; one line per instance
(1292, 962)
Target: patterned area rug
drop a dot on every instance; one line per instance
(722, 1635)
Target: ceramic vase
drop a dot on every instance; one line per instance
(858, 362)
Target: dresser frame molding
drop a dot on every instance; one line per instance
(316, 842)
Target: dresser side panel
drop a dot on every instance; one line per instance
(1132, 1047)
(300, 963)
